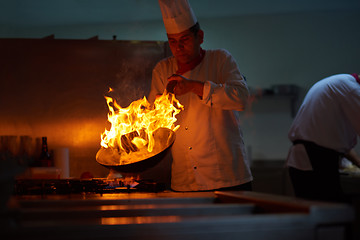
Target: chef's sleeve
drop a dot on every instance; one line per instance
(157, 84)
(231, 91)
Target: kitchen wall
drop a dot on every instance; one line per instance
(298, 49)
(56, 88)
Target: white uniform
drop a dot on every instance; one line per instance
(209, 151)
(329, 116)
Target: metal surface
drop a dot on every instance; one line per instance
(177, 215)
(164, 138)
(54, 187)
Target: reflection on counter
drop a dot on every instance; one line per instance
(177, 215)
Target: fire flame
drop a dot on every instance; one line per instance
(132, 128)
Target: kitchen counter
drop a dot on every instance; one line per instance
(175, 215)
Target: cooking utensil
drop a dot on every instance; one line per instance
(137, 161)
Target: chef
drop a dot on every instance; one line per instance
(324, 130)
(209, 152)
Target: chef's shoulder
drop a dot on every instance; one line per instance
(220, 57)
(166, 63)
(219, 53)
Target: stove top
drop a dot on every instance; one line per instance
(94, 185)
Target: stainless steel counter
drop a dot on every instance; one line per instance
(175, 215)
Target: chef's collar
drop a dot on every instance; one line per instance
(185, 67)
(356, 76)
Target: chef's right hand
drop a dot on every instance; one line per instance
(180, 85)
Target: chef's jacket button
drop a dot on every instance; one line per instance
(186, 128)
(190, 148)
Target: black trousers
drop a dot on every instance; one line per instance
(323, 183)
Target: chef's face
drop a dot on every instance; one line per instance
(185, 46)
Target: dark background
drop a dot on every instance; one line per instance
(56, 88)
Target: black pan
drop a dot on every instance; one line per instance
(109, 158)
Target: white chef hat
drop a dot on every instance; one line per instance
(177, 15)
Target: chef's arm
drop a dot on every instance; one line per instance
(157, 85)
(196, 87)
(230, 96)
(180, 85)
(353, 157)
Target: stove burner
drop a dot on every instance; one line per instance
(71, 186)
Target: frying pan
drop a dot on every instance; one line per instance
(109, 158)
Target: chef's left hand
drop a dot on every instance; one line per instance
(185, 85)
(182, 85)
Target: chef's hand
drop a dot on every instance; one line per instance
(353, 157)
(180, 85)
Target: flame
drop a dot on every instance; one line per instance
(138, 122)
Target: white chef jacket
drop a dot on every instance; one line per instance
(208, 152)
(329, 116)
